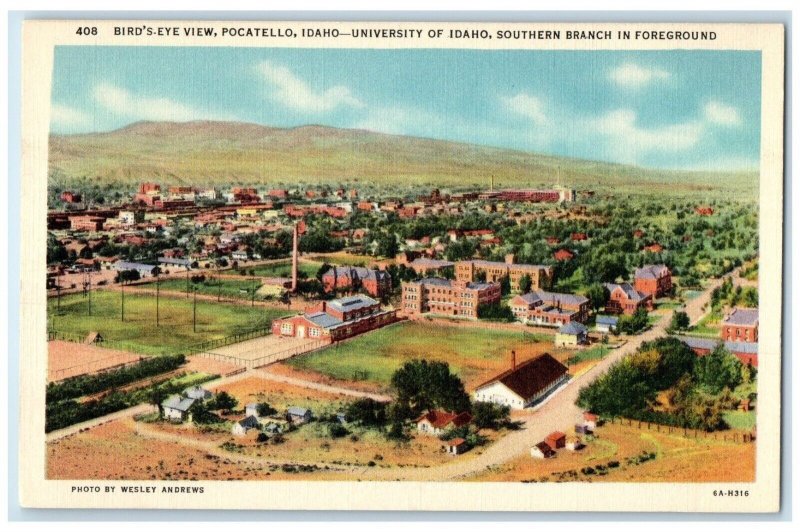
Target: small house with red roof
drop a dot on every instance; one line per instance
(439, 421)
(556, 440)
(563, 255)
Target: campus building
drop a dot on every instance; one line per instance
(469, 270)
(625, 299)
(447, 297)
(335, 320)
(653, 279)
(550, 308)
(525, 384)
(375, 282)
(741, 325)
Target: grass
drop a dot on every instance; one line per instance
(597, 352)
(740, 420)
(375, 356)
(281, 269)
(344, 259)
(227, 288)
(139, 333)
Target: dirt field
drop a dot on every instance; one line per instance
(276, 347)
(677, 459)
(69, 359)
(209, 366)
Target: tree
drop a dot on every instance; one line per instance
(505, 285)
(525, 284)
(719, 369)
(201, 414)
(158, 396)
(323, 270)
(387, 245)
(633, 324)
(680, 321)
(490, 415)
(265, 409)
(367, 412)
(421, 385)
(496, 312)
(223, 401)
(598, 295)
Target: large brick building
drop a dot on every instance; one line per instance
(335, 320)
(741, 325)
(550, 308)
(653, 279)
(375, 282)
(625, 299)
(86, 223)
(541, 276)
(451, 298)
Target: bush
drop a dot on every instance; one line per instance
(337, 431)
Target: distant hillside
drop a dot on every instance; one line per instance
(206, 153)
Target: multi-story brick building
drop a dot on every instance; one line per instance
(335, 320)
(550, 308)
(86, 223)
(375, 282)
(741, 325)
(653, 279)
(625, 299)
(541, 276)
(451, 298)
(425, 266)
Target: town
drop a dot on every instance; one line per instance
(413, 333)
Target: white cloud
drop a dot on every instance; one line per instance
(396, 120)
(720, 113)
(633, 76)
(295, 93)
(527, 106)
(121, 102)
(64, 117)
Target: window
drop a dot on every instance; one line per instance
(314, 332)
(286, 328)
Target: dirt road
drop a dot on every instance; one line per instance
(264, 373)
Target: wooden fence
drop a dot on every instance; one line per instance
(734, 436)
(228, 340)
(275, 356)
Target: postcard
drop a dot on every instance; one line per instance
(401, 266)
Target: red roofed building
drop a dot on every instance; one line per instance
(556, 440)
(577, 237)
(563, 255)
(653, 279)
(525, 384)
(704, 210)
(438, 421)
(654, 248)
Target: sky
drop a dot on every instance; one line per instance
(687, 110)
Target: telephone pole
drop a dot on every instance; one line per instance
(253, 295)
(194, 311)
(90, 293)
(187, 283)
(158, 283)
(122, 291)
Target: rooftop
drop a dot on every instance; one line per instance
(742, 316)
(530, 377)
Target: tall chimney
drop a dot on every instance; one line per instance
(513, 360)
(294, 258)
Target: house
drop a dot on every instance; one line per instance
(563, 255)
(298, 415)
(550, 309)
(523, 385)
(572, 334)
(654, 248)
(273, 428)
(448, 297)
(439, 421)
(574, 444)
(335, 320)
(746, 352)
(241, 427)
(145, 270)
(556, 440)
(239, 255)
(176, 408)
(197, 393)
(541, 450)
(741, 325)
(582, 428)
(625, 299)
(457, 446)
(606, 324)
(251, 409)
(375, 282)
(653, 279)
(591, 420)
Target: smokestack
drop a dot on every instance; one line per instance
(294, 258)
(513, 360)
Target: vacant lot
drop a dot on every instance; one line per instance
(68, 359)
(344, 259)
(674, 458)
(474, 354)
(225, 288)
(283, 269)
(139, 333)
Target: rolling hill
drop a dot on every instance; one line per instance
(215, 153)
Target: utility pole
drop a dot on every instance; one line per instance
(187, 282)
(219, 289)
(253, 295)
(158, 285)
(90, 293)
(122, 291)
(194, 311)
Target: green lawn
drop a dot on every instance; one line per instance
(282, 269)
(597, 352)
(227, 288)
(740, 420)
(472, 353)
(139, 332)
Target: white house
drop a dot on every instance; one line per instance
(524, 384)
(241, 427)
(176, 407)
(298, 414)
(606, 324)
(541, 450)
(197, 393)
(251, 409)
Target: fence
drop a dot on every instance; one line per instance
(228, 340)
(275, 356)
(733, 436)
(107, 364)
(77, 338)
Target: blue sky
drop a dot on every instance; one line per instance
(664, 109)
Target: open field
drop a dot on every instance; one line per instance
(342, 258)
(139, 333)
(68, 359)
(226, 288)
(264, 349)
(676, 459)
(309, 268)
(475, 354)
